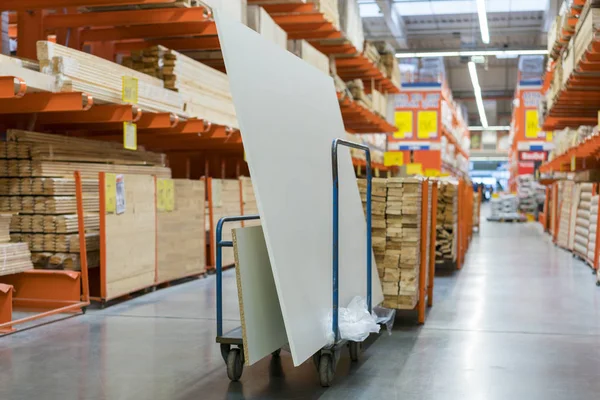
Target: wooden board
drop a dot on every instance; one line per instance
(287, 131)
(131, 239)
(263, 328)
(181, 238)
(225, 203)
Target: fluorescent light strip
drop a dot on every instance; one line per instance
(489, 128)
(477, 90)
(483, 23)
(470, 53)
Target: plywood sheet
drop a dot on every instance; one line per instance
(289, 115)
(263, 329)
(131, 240)
(181, 238)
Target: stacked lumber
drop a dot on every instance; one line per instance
(582, 220)
(35, 80)
(351, 23)
(249, 205)
(225, 202)
(566, 189)
(402, 253)
(260, 21)
(165, 4)
(372, 53)
(38, 183)
(593, 229)
(308, 53)
(5, 221)
(357, 88)
(14, 258)
(204, 90)
(378, 224)
(76, 71)
(447, 223)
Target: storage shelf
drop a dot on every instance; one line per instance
(567, 32)
(454, 141)
(585, 155)
(358, 119)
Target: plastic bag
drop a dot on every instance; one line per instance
(355, 322)
(385, 316)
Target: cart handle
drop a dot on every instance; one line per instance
(219, 267)
(336, 214)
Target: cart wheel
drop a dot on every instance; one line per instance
(354, 348)
(326, 370)
(597, 283)
(276, 353)
(225, 349)
(235, 364)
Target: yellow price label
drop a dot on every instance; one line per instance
(414, 169)
(392, 158)
(129, 136)
(165, 195)
(110, 192)
(549, 136)
(404, 124)
(129, 92)
(573, 163)
(427, 124)
(532, 124)
(432, 172)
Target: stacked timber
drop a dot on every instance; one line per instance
(37, 183)
(357, 88)
(205, 91)
(566, 189)
(582, 220)
(447, 223)
(402, 253)
(225, 202)
(76, 71)
(378, 224)
(14, 257)
(249, 205)
(593, 229)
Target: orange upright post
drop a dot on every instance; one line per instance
(422, 304)
(6, 292)
(432, 241)
(102, 198)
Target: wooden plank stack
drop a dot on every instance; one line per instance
(225, 202)
(378, 223)
(250, 207)
(582, 220)
(204, 90)
(566, 189)
(76, 71)
(14, 257)
(447, 223)
(593, 228)
(42, 191)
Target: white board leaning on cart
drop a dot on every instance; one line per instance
(289, 115)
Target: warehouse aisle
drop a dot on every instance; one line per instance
(521, 321)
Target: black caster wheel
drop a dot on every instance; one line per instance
(235, 364)
(225, 349)
(354, 348)
(276, 353)
(597, 283)
(326, 370)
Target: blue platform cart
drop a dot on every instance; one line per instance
(327, 358)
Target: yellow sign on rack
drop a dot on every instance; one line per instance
(532, 124)
(549, 135)
(129, 136)
(393, 158)
(414, 169)
(404, 124)
(432, 172)
(165, 195)
(129, 92)
(110, 192)
(427, 124)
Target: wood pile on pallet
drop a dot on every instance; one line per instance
(582, 220)
(566, 189)
(447, 224)
(593, 228)
(250, 207)
(15, 257)
(378, 221)
(37, 183)
(225, 203)
(204, 90)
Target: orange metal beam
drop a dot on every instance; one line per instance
(149, 31)
(191, 43)
(46, 102)
(6, 293)
(97, 114)
(29, 31)
(21, 5)
(127, 18)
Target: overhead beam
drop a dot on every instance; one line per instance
(148, 31)
(22, 5)
(394, 23)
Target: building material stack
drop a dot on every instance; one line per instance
(249, 206)
(15, 257)
(402, 253)
(593, 229)
(378, 223)
(582, 220)
(37, 185)
(447, 223)
(564, 220)
(225, 202)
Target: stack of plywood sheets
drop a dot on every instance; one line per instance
(181, 238)
(582, 220)
(14, 257)
(76, 71)
(44, 197)
(204, 90)
(447, 220)
(564, 223)
(402, 253)
(249, 205)
(225, 202)
(593, 229)
(378, 224)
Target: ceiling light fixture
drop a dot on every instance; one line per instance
(477, 90)
(483, 22)
(471, 53)
(489, 128)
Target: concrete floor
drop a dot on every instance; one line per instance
(520, 321)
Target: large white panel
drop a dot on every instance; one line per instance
(289, 115)
(262, 323)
